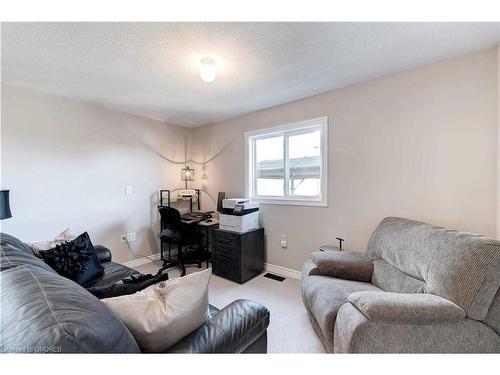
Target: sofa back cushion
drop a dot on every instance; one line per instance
(391, 279)
(14, 252)
(411, 257)
(493, 316)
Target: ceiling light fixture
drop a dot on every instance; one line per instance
(207, 69)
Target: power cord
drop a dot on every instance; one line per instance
(137, 254)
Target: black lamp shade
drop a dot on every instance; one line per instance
(4, 205)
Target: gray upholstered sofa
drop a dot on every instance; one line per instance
(418, 288)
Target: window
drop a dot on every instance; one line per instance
(288, 164)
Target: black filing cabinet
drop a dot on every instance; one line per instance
(238, 256)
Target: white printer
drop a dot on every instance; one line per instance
(239, 215)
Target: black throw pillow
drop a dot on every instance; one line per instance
(75, 260)
(131, 285)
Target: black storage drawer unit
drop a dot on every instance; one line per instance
(238, 256)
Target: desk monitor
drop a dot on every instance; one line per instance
(220, 198)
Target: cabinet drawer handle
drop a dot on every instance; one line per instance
(224, 244)
(224, 258)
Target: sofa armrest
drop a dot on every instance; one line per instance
(329, 248)
(231, 330)
(102, 253)
(347, 265)
(355, 333)
(309, 269)
(405, 308)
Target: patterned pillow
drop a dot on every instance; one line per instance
(37, 246)
(75, 260)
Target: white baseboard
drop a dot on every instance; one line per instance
(282, 271)
(141, 261)
(287, 272)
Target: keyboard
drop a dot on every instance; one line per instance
(196, 216)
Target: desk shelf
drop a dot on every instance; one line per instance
(166, 198)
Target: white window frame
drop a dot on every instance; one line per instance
(286, 130)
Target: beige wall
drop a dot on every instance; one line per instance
(420, 144)
(423, 144)
(67, 164)
(498, 143)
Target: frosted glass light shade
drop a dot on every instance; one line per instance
(187, 174)
(207, 69)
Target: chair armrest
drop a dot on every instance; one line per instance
(405, 308)
(102, 253)
(347, 265)
(231, 330)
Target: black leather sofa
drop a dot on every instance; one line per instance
(43, 312)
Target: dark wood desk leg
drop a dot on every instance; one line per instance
(180, 260)
(199, 243)
(208, 244)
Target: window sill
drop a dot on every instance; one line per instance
(290, 202)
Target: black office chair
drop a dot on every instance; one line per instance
(174, 232)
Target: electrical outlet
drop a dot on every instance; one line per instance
(128, 190)
(284, 241)
(128, 237)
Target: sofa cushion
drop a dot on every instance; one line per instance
(391, 279)
(45, 312)
(14, 243)
(493, 316)
(323, 296)
(347, 265)
(461, 267)
(14, 253)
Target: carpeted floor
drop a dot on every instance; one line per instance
(289, 330)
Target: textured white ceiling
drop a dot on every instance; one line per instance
(151, 69)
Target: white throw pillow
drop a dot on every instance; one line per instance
(162, 314)
(65, 236)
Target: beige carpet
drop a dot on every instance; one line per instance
(289, 330)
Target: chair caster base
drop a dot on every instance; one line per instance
(166, 265)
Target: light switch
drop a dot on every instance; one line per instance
(128, 190)
(284, 241)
